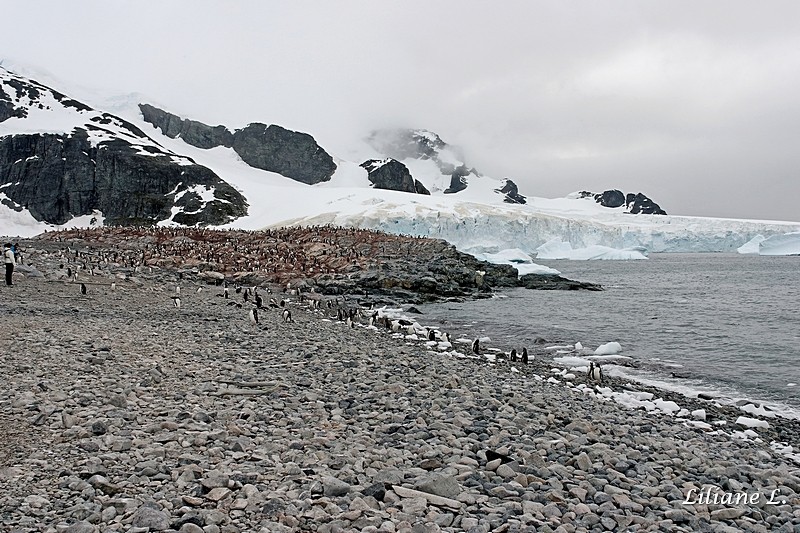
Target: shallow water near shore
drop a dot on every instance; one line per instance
(727, 324)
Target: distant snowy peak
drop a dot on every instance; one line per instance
(61, 159)
(634, 203)
(439, 165)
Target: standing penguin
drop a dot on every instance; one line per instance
(476, 347)
(595, 373)
(525, 356)
(176, 301)
(83, 289)
(513, 356)
(287, 315)
(254, 315)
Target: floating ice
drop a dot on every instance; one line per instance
(786, 244)
(557, 249)
(610, 348)
(751, 246)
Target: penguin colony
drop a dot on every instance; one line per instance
(277, 256)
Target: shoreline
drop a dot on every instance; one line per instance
(130, 413)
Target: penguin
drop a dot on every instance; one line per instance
(246, 295)
(446, 337)
(199, 290)
(178, 289)
(225, 293)
(254, 315)
(525, 356)
(176, 301)
(69, 272)
(83, 289)
(113, 286)
(259, 301)
(431, 335)
(476, 347)
(513, 356)
(350, 323)
(287, 315)
(282, 303)
(595, 372)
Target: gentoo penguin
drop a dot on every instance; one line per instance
(178, 289)
(446, 337)
(287, 315)
(525, 356)
(113, 286)
(259, 301)
(273, 303)
(476, 347)
(282, 303)
(176, 301)
(513, 355)
(595, 373)
(83, 289)
(225, 293)
(254, 315)
(431, 335)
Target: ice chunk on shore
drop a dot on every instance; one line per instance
(609, 348)
(557, 249)
(786, 244)
(752, 422)
(751, 246)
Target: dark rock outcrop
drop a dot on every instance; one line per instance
(190, 131)
(634, 203)
(549, 282)
(639, 203)
(458, 180)
(57, 177)
(390, 174)
(102, 163)
(611, 198)
(419, 188)
(511, 193)
(289, 153)
(292, 154)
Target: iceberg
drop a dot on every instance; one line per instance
(518, 259)
(557, 249)
(751, 246)
(786, 244)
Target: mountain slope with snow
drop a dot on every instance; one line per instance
(475, 212)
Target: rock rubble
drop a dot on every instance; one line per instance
(122, 412)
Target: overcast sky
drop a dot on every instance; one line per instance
(696, 104)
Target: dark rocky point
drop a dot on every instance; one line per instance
(391, 175)
(511, 193)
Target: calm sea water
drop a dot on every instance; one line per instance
(729, 324)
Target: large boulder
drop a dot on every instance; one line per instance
(289, 153)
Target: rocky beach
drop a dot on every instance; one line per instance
(136, 407)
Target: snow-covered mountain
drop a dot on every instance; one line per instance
(64, 163)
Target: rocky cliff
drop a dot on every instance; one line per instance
(98, 162)
(634, 203)
(292, 154)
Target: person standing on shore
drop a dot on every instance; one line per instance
(8, 255)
